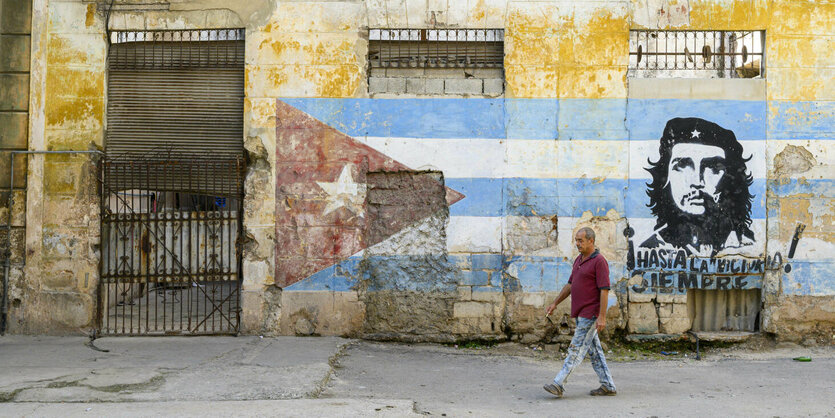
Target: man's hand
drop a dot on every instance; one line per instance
(550, 308)
(601, 324)
(566, 290)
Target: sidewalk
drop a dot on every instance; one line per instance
(155, 369)
(177, 376)
(326, 376)
(285, 408)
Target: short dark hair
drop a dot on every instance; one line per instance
(588, 232)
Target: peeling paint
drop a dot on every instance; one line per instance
(576, 160)
(75, 113)
(578, 56)
(338, 81)
(91, 15)
(793, 160)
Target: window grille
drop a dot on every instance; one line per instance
(696, 54)
(176, 49)
(436, 48)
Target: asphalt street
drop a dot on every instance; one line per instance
(325, 376)
(441, 381)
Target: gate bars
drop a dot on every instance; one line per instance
(170, 245)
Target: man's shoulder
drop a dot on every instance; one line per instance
(598, 257)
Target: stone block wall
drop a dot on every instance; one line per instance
(476, 82)
(57, 289)
(566, 144)
(573, 138)
(15, 34)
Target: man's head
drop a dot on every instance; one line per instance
(584, 240)
(700, 179)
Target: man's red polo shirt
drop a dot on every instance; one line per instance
(586, 280)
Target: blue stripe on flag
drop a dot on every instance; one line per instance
(573, 197)
(801, 120)
(545, 118)
(409, 118)
(646, 118)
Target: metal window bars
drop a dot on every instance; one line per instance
(175, 49)
(436, 48)
(696, 54)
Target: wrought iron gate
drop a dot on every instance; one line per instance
(170, 229)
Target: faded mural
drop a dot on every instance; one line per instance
(713, 181)
(700, 199)
(699, 193)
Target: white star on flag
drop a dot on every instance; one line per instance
(696, 134)
(344, 192)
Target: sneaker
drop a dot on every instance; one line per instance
(602, 391)
(553, 389)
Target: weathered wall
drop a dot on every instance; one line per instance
(799, 163)
(678, 246)
(566, 146)
(788, 128)
(15, 29)
(56, 292)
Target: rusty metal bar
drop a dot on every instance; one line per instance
(175, 49)
(171, 216)
(429, 48)
(731, 54)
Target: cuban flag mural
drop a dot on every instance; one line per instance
(322, 217)
(494, 189)
(465, 140)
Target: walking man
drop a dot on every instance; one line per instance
(588, 286)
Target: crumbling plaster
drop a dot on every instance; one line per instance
(559, 50)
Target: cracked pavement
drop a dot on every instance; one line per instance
(49, 369)
(327, 376)
(198, 376)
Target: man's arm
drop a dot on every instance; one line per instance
(601, 272)
(566, 290)
(604, 302)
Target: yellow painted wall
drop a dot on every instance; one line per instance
(308, 50)
(566, 50)
(554, 49)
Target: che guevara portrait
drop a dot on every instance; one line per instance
(699, 193)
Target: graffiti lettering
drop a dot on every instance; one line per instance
(678, 283)
(686, 281)
(671, 260)
(701, 200)
(774, 262)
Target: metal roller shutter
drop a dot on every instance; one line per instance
(183, 97)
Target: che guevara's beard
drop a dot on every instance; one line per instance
(696, 196)
(711, 228)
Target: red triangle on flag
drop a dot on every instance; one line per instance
(321, 184)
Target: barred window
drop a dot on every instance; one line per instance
(442, 48)
(465, 62)
(696, 54)
(176, 49)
